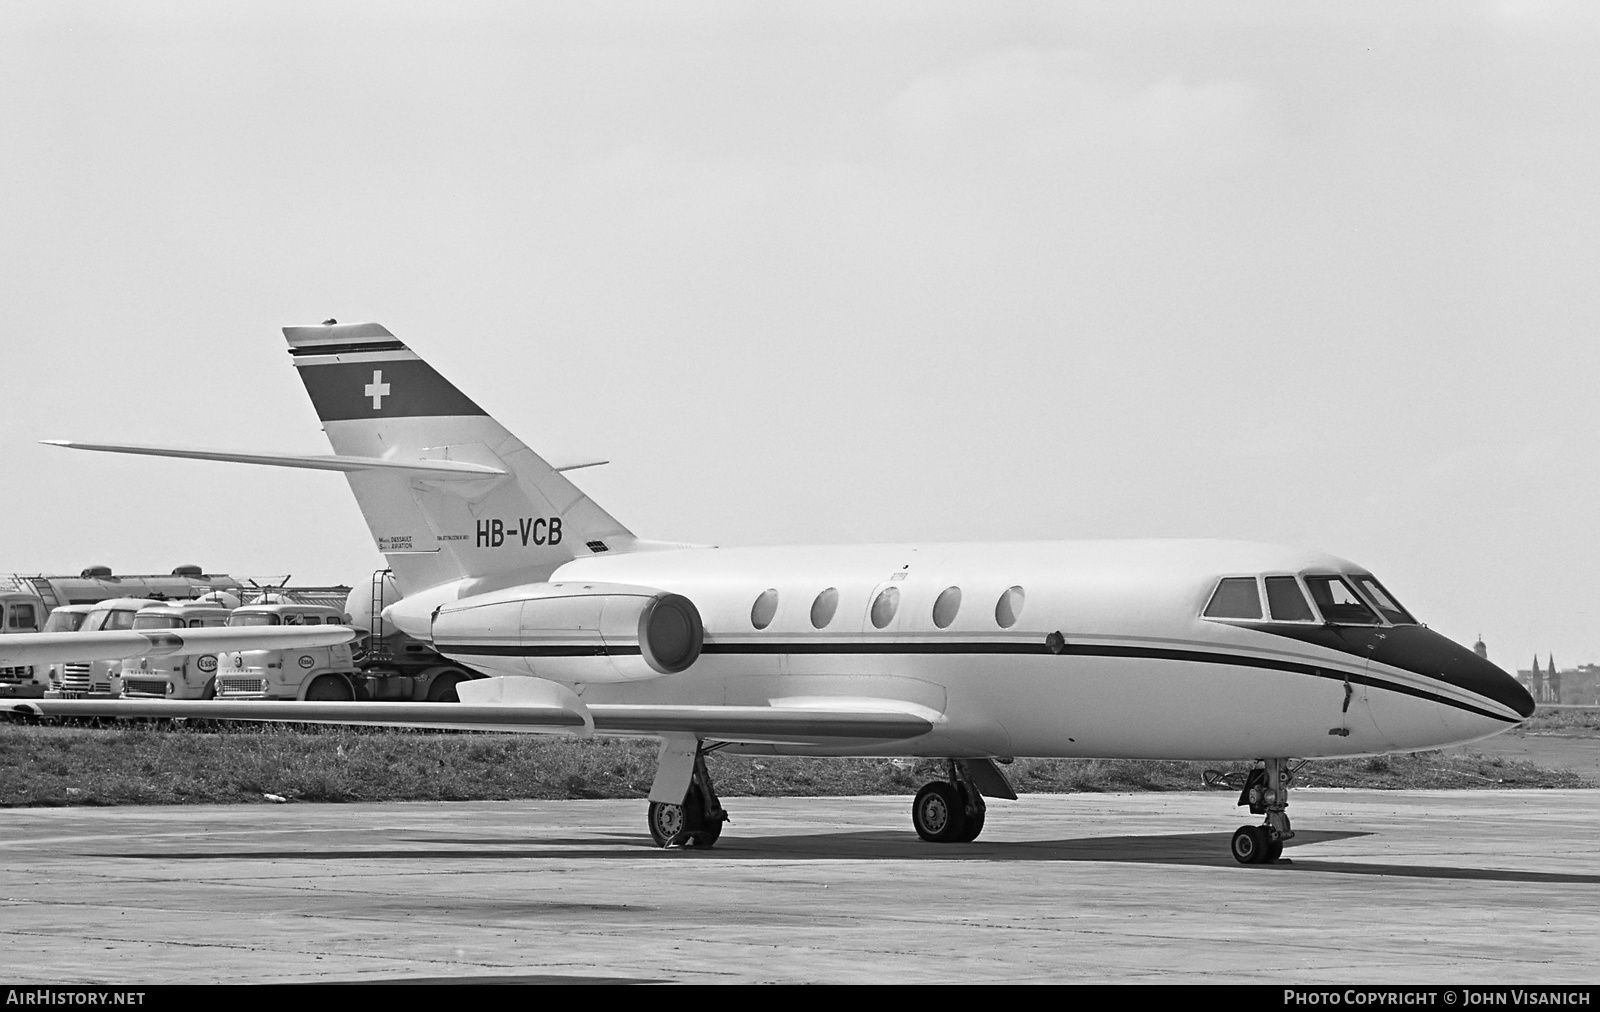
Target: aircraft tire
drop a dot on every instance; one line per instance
(1274, 849)
(706, 837)
(670, 823)
(665, 821)
(974, 826)
(1249, 844)
(938, 813)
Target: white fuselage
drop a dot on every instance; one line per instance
(1135, 671)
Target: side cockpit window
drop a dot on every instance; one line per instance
(1286, 600)
(1384, 600)
(1338, 603)
(1235, 597)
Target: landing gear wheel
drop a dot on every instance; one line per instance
(1249, 844)
(666, 822)
(672, 825)
(939, 813)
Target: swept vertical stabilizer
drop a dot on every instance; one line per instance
(377, 398)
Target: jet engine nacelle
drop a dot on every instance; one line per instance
(573, 632)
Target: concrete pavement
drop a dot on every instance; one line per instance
(1418, 887)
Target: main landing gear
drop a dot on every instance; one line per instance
(1266, 791)
(698, 821)
(949, 811)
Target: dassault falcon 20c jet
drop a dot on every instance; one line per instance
(968, 653)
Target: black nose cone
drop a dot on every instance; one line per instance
(1433, 656)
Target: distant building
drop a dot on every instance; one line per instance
(1579, 685)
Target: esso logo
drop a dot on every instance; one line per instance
(306, 662)
(207, 663)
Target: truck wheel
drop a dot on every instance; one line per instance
(210, 691)
(330, 688)
(443, 687)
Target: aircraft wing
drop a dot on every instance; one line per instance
(450, 716)
(767, 724)
(45, 648)
(752, 724)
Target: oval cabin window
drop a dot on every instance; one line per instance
(1009, 608)
(884, 607)
(945, 608)
(765, 607)
(823, 607)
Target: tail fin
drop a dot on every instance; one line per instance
(377, 398)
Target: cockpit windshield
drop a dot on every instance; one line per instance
(1288, 604)
(1384, 600)
(1235, 597)
(1339, 603)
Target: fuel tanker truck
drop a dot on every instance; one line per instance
(383, 664)
(391, 665)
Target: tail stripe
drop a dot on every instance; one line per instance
(387, 388)
(351, 348)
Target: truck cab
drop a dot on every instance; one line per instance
(97, 679)
(21, 613)
(174, 677)
(320, 673)
(65, 619)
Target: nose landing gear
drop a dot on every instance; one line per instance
(1266, 792)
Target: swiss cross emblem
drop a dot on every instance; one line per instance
(377, 389)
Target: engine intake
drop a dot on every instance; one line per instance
(670, 633)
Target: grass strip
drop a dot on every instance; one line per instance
(161, 763)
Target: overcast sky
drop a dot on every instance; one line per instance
(1316, 274)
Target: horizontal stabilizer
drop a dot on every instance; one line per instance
(439, 469)
(46, 648)
(557, 464)
(322, 461)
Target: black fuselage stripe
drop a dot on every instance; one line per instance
(981, 648)
(542, 650)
